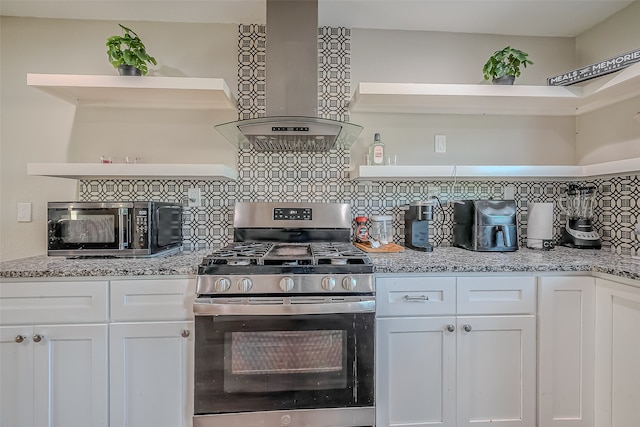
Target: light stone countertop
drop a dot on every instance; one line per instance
(441, 260)
(456, 260)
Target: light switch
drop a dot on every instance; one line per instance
(24, 212)
(195, 197)
(440, 142)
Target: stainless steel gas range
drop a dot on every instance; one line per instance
(284, 328)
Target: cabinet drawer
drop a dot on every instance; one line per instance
(152, 299)
(53, 302)
(415, 296)
(496, 295)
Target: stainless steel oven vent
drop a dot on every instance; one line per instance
(291, 122)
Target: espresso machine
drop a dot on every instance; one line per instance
(578, 203)
(485, 225)
(416, 225)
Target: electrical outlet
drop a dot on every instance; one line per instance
(440, 143)
(24, 212)
(195, 197)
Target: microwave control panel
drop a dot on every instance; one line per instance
(142, 228)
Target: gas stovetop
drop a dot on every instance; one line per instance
(272, 268)
(274, 258)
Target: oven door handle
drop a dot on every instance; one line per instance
(280, 309)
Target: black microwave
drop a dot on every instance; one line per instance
(121, 229)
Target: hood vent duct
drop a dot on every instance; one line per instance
(292, 122)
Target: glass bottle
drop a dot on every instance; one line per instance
(377, 150)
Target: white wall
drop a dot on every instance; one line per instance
(37, 127)
(611, 133)
(431, 57)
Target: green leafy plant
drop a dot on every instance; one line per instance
(128, 49)
(505, 62)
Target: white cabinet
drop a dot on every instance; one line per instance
(415, 372)
(617, 352)
(151, 352)
(53, 375)
(455, 351)
(566, 346)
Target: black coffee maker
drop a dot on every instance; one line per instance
(416, 225)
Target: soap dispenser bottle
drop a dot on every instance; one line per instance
(377, 150)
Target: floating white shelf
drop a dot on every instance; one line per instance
(410, 172)
(496, 99)
(137, 92)
(139, 171)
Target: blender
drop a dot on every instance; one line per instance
(578, 204)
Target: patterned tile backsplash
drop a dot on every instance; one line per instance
(299, 177)
(310, 177)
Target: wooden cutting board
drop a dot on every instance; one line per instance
(390, 247)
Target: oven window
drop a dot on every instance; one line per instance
(256, 362)
(266, 363)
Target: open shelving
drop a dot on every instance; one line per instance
(370, 97)
(137, 92)
(138, 171)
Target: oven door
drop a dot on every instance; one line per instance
(265, 355)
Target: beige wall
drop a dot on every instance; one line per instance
(611, 133)
(431, 57)
(37, 127)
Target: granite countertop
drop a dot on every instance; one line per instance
(441, 260)
(456, 260)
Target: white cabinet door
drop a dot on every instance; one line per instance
(16, 376)
(618, 349)
(151, 374)
(496, 371)
(56, 377)
(566, 351)
(415, 382)
(70, 373)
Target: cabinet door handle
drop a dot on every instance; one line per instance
(37, 337)
(420, 298)
(467, 328)
(185, 333)
(19, 338)
(451, 328)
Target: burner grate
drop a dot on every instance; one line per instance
(240, 253)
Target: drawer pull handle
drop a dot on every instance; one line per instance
(467, 328)
(37, 337)
(19, 338)
(451, 328)
(421, 298)
(185, 333)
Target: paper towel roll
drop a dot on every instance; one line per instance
(539, 224)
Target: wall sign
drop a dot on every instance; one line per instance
(595, 70)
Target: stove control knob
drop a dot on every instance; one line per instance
(245, 285)
(286, 284)
(222, 284)
(328, 283)
(349, 283)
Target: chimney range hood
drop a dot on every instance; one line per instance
(291, 122)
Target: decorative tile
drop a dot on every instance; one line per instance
(312, 177)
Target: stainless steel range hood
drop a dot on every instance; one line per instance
(292, 122)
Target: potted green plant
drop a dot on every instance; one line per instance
(504, 65)
(128, 54)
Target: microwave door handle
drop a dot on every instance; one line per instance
(124, 227)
